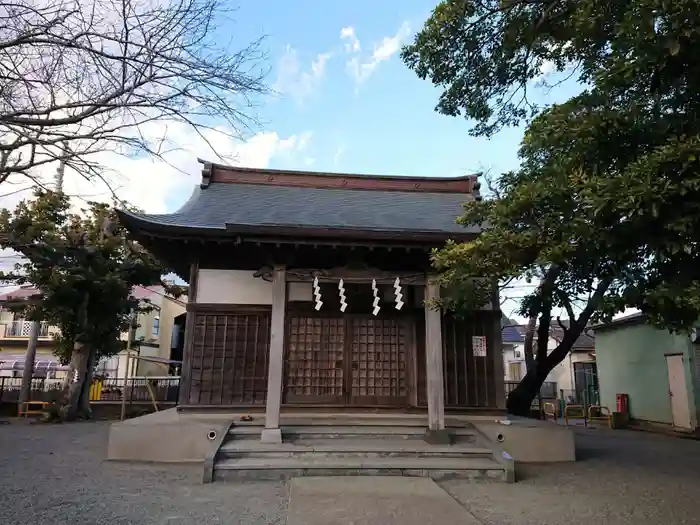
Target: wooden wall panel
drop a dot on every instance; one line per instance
(229, 358)
(421, 381)
(469, 379)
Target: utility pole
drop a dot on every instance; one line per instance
(129, 341)
(30, 354)
(28, 371)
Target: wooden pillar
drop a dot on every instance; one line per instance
(497, 349)
(186, 370)
(434, 369)
(272, 432)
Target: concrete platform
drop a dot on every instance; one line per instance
(173, 437)
(166, 437)
(375, 501)
(530, 440)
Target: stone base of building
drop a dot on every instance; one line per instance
(167, 437)
(176, 437)
(530, 440)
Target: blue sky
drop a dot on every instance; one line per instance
(348, 101)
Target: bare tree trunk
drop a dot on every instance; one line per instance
(78, 370)
(84, 409)
(529, 340)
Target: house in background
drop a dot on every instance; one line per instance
(576, 375)
(14, 338)
(513, 339)
(159, 337)
(157, 340)
(657, 369)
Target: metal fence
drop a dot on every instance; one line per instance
(585, 397)
(164, 389)
(548, 391)
(42, 389)
(24, 329)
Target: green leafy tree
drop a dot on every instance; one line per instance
(603, 211)
(86, 268)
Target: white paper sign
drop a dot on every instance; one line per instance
(479, 345)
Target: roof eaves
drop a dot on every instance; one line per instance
(633, 319)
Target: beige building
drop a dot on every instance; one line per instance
(157, 339)
(157, 336)
(14, 337)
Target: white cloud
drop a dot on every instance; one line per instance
(294, 80)
(361, 68)
(158, 185)
(340, 150)
(348, 33)
(549, 68)
(304, 139)
(296, 143)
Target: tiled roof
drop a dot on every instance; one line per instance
(23, 292)
(511, 334)
(138, 292)
(510, 331)
(585, 341)
(256, 205)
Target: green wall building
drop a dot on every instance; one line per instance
(657, 369)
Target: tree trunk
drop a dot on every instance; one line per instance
(521, 397)
(529, 340)
(84, 409)
(70, 400)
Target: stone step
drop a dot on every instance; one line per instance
(349, 448)
(400, 420)
(303, 432)
(351, 431)
(284, 468)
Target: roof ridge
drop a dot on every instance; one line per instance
(221, 173)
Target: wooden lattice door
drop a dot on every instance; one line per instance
(349, 360)
(378, 361)
(315, 360)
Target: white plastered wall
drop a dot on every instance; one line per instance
(241, 287)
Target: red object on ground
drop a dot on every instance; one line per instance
(623, 403)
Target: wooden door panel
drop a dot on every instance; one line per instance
(378, 362)
(678, 391)
(314, 367)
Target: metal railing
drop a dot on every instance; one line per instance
(165, 389)
(24, 329)
(42, 389)
(548, 391)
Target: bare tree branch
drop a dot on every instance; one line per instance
(79, 78)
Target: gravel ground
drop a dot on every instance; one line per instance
(56, 474)
(622, 477)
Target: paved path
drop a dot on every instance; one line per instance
(57, 475)
(373, 501)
